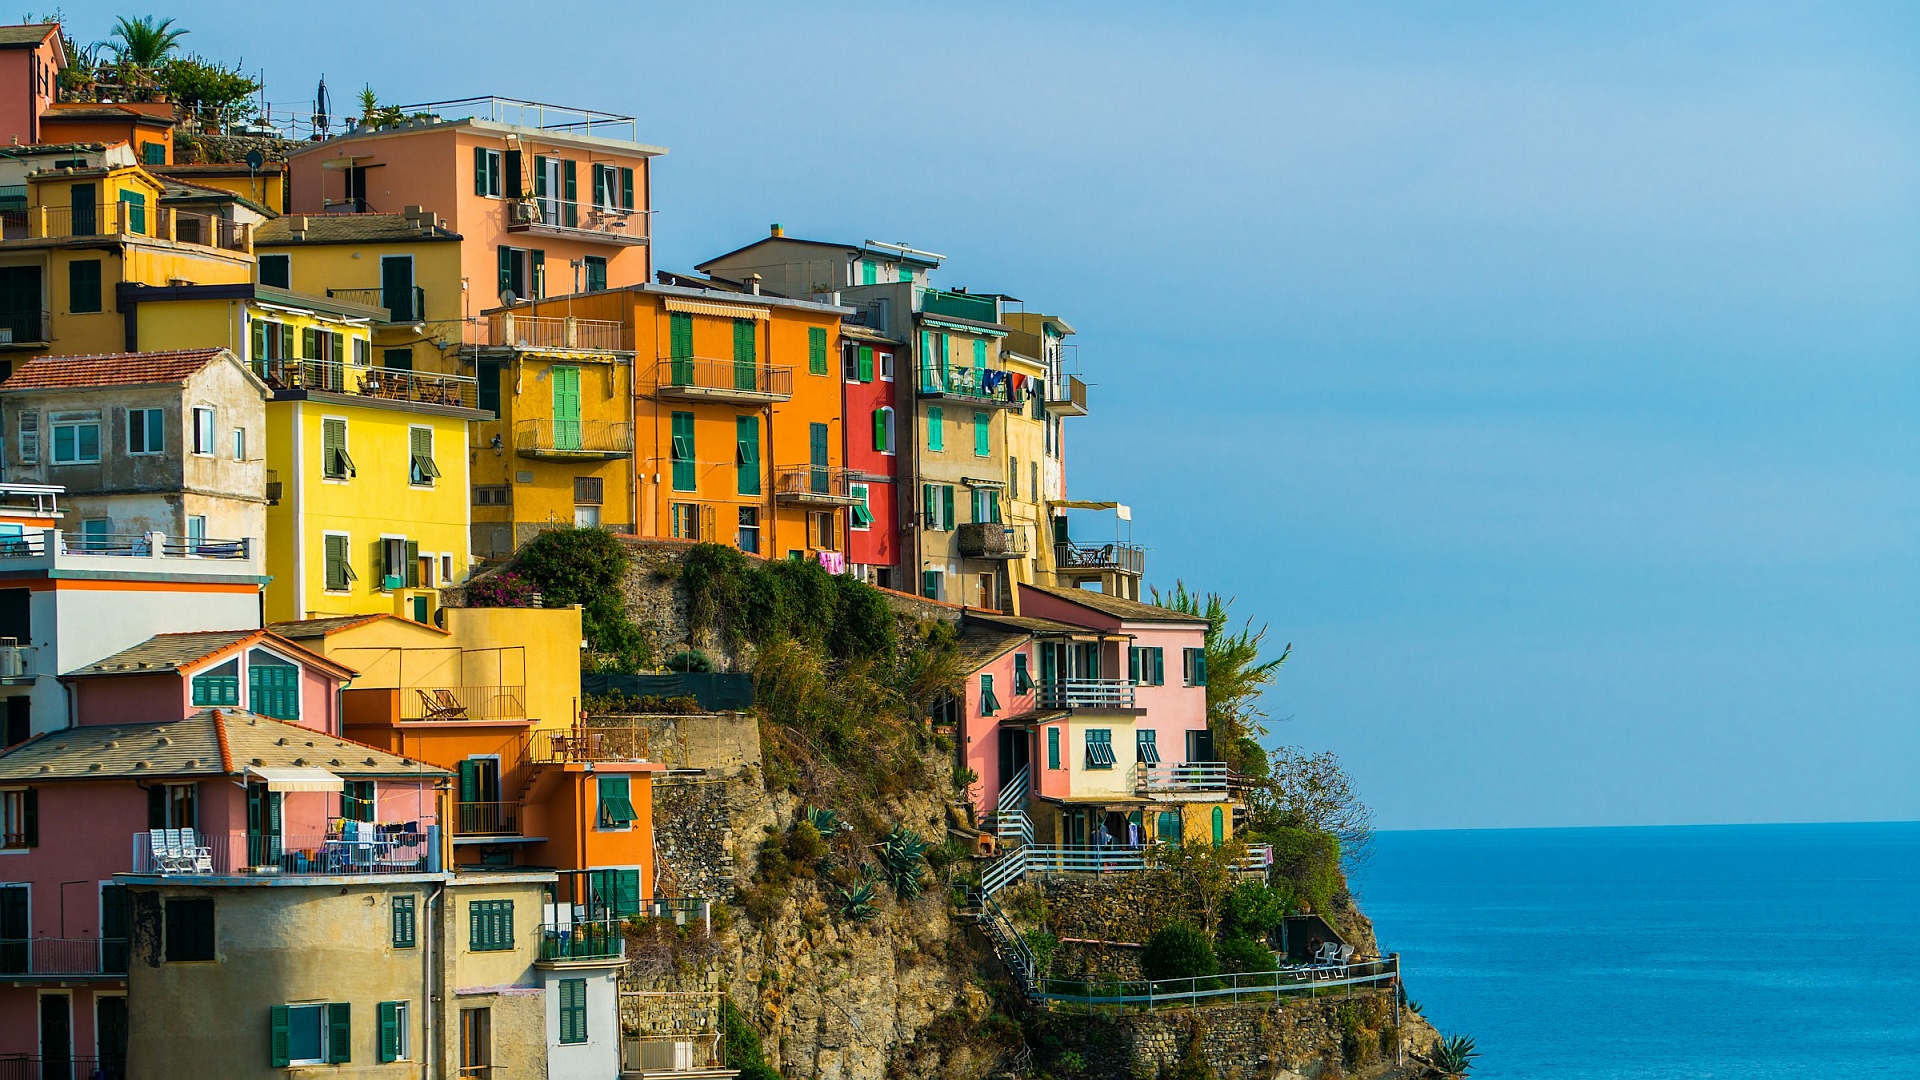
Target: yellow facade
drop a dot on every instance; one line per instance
(426, 336)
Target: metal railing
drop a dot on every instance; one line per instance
(402, 305)
(205, 230)
(38, 1067)
(701, 376)
(533, 114)
(1015, 864)
(982, 386)
(1076, 693)
(578, 746)
(125, 219)
(1227, 989)
(577, 438)
(1067, 395)
(991, 540)
(583, 939)
(1209, 776)
(574, 215)
(463, 703)
(800, 483)
(31, 500)
(486, 819)
(127, 545)
(1125, 558)
(391, 384)
(188, 853)
(513, 330)
(24, 326)
(62, 956)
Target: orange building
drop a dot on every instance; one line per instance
(147, 126)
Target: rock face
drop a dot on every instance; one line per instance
(1323, 1039)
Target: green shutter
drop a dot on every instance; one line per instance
(864, 366)
(936, 429)
(540, 176)
(536, 272)
(680, 337)
(259, 350)
(929, 509)
(1053, 748)
(480, 171)
(469, 781)
(566, 407)
(277, 1036)
(570, 181)
(405, 922)
(745, 374)
(880, 429)
(946, 507)
(817, 350)
(573, 1010)
(83, 286)
(626, 189)
(979, 356)
(336, 570)
(389, 1031)
(626, 893)
(506, 269)
(339, 1033)
(310, 343)
(982, 435)
(685, 466)
(413, 564)
(748, 458)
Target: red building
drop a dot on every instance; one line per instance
(872, 454)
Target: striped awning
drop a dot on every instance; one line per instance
(290, 778)
(724, 311)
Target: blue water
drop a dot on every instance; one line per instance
(1726, 951)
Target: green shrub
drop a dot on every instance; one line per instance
(1253, 909)
(805, 846)
(740, 1044)
(1309, 861)
(1245, 954)
(690, 660)
(1179, 951)
(750, 600)
(588, 567)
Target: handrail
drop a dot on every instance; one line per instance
(1126, 558)
(371, 380)
(720, 377)
(583, 939)
(1074, 692)
(1191, 776)
(1261, 985)
(63, 956)
(825, 481)
(541, 436)
(513, 330)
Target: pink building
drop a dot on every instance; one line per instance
(153, 784)
(30, 61)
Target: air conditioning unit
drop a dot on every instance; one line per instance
(523, 213)
(13, 659)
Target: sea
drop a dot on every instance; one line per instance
(1676, 953)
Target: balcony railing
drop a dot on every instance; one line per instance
(464, 703)
(36, 1067)
(512, 330)
(1194, 776)
(581, 746)
(1067, 396)
(818, 485)
(401, 305)
(578, 219)
(1119, 557)
(25, 327)
(486, 819)
(124, 545)
(987, 540)
(571, 440)
(980, 386)
(21, 957)
(124, 219)
(583, 939)
(693, 378)
(1074, 693)
(186, 853)
(385, 383)
(31, 500)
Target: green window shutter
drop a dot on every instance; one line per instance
(685, 465)
(626, 893)
(680, 338)
(982, 435)
(946, 507)
(929, 367)
(880, 429)
(570, 181)
(989, 704)
(573, 1010)
(1219, 827)
(1200, 667)
(339, 1033)
(745, 375)
(286, 339)
(748, 456)
(83, 285)
(469, 781)
(480, 171)
(626, 189)
(1159, 667)
(336, 563)
(1053, 748)
(817, 350)
(936, 429)
(817, 445)
(309, 343)
(258, 354)
(389, 1031)
(930, 584)
(277, 1036)
(863, 367)
(539, 175)
(566, 407)
(536, 272)
(506, 269)
(929, 508)
(1133, 665)
(405, 922)
(413, 564)
(979, 355)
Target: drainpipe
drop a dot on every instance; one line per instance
(428, 998)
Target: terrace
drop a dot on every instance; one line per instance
(986, 387)
(1084, 693)
(124, 220)
(1117, 557)
(354, 849)
(814, 485)
(30, 959)
(406, 305)
(510, 330)
(371, 381)
(698, 378)
(142, 553)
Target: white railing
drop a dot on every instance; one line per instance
(1076, 693)
(1194, 776)
(1227, 989)
(187, 852)
(1010, 820)
(1018, 862)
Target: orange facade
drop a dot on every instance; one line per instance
(146, 126)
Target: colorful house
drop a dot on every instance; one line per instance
(147, 126)
(869, 360)
(31, 58)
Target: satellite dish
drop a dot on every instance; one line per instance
(507, 298)
(255, 159)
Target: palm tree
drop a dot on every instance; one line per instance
(1454, 1056)
(144, 43)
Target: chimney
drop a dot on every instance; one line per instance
(777, 231)
(753, 283)
(297, 224)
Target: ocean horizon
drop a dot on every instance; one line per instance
(1666, 952)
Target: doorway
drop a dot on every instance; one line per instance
(396, 288)
(263, 826)
(56, 1036)
(1016, 749)
(110, 1035)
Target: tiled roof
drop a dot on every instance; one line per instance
(980, 645)
(171, 652)
(109, 369)
(213, 742)
(1028, 623)
(102, 112)
(1118, 607)
(347, 229)
(308, 629)
(30, 34)
(175, 190)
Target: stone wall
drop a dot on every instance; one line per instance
(724, 744)
(693, 837)
(201, 149)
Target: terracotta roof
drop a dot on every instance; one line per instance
(1118, 607)
(308, 629)
(347, 229)
(172, 652)
(30, 34)
(109, 369)
(193, 747)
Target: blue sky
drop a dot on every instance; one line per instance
(1544, 373)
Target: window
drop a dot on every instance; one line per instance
(861, 370)
(936, 501)
(826, 530)
(886, 366)
(869, 272)
(748, 538)
(982, 435)
(588, 489)
(861, 512)
(406, 925)
(684, 470)
(476, 1042)
(153, 153)
(989, 704)
(930, 584)
(218, 686)
(490, 925)
(613, 893)
(202, 430)
(446, 572)
(1146, 666)
(1099, 748)
(1167, 826)
(421, 471)
(239, 444)
(339, 566)
(986, 505)
(395, 359)
(1145, 747)
(146, 431)
(96, 534)
(573, 1010)
(189, 929)
(196, 532)
(76, 442)
(311, 1034)
(273, 686)
(883, 429)
(276, 271)
(27, 438)
(817, 350)
(747, 454)
(1053, 748)
(1022, 677)
(486, 171)
(356, 800)
(1013, 479)
(399, 563)
(494, 495)
(1193, 666)
(606, 187)
(596, 273)
(396, 1030)
(335, 462)
(936, 429)
(616, 809)
(133, 208)
(20, 817)
(83, 286)
(686, 521)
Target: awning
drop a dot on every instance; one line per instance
(289, 778)
(724, 311)
(1120, 510)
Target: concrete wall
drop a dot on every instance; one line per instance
(599, 1057)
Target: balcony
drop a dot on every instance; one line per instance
(510, 330)
(118, 219)
(486, 819)
(814, 485)
(985, 387)
(25, 329)
(1115, 557)
(986, 540)
(695, 378)
(573, 440)
(189, 854)
(581, 747)
(47, 550)
(1192, 778)
(31, 500)
(572, 219)
(64, 958)
(407, 305)
(582, 939)
(1077, 693)
(1067, 396)
(381, 383)
(481, 703)
(36, 1067)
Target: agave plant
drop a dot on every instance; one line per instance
(1454, 1057)
(824, 819)
(857, 903)
(902, 855)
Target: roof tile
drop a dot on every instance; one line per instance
(109, 369)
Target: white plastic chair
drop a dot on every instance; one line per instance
(196, 856)
(157, 852)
